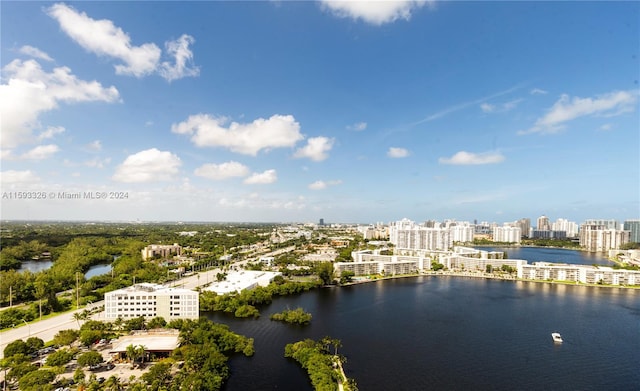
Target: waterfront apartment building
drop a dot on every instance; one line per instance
(569, 227)
(406, 234)
(525, 226)
(633, 226)
(161, 251)
(461, 232)
(597, 235)
(542, 224)
(507, 234)
(151, 300)
(585, 274)
(367, 263)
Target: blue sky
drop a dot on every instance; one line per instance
(296, 111)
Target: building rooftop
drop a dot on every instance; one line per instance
(161, 340)
(245, 279)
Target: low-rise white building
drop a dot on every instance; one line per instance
(150, 301)
(241, 280)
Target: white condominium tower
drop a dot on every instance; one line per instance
(567, 226)
(406, 234)
(602, 235)
(507, 234)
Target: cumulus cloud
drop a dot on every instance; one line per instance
(320, 185)
(469, 158)
(222, 171)
(35, 53)
(104, 38)
(316, 149)
(51, 132)
(567, 109)
(395, 152)
(264, 178)
(12, 177)
(40, 152)
(30, 91)
(95, 146)
(358, 126)
(249, 138)
(372, 11)
(179, 50)
(150, 165)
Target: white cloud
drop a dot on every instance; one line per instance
(35, 53)
(487, 108)
(320, 185)
(395, 152)
(470, 158)
(567, 109)
(372, 11)
(103, 38)
(250, 138)
(316, 149)
(358, 127)
(222, 171)
(40, 152)
(30, 91)
(148, 166)
(537, 91)
(97, 163)
(95, 145)
(51, 132)
(179, 49)
(12, 176)
(501, 107)
(263, 178)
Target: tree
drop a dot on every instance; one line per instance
(82, 315)
(34, 344)
(59, 358)
(157, 323)
(16, 347)
(489, 269)
(36, 380)
(90, 358)
(346, 276)
(66, 337)
(135, 324)
(325, 272)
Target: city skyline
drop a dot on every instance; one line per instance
(295, 111)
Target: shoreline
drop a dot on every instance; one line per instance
(486, 276)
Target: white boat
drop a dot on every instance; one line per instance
(556, 337)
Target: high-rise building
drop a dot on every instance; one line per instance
(598, 235)
(507, 234)
(569, 227)
(525, 226)
(406, 234)
(542, 224)
(633, 226)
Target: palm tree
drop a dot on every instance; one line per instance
(78, 316)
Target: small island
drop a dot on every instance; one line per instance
(298, 316)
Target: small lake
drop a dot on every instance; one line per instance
(37, 266)
(555, 255)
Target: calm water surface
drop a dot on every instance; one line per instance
(454, 333)
(555, 255)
